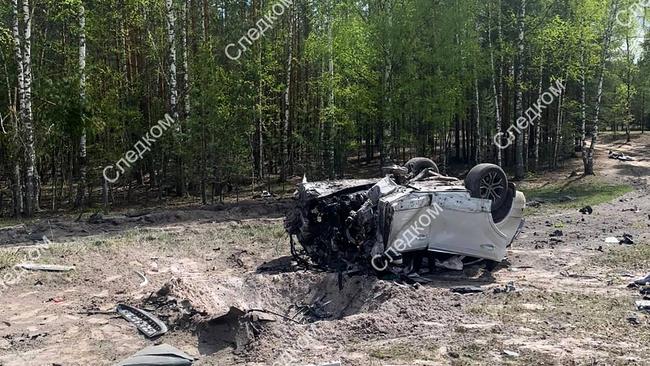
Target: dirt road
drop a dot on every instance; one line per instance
(570, 303)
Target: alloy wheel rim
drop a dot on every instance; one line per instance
(492, 186)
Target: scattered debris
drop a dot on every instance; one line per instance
(620, 156)
(45, 267)
(641, 281)
(454, 263)
(510, 353)
(635, 209)
(627, 239)
(643, 305)
(509, 287)
(463, 290)
(162, 355)
(146, 323)
(145, 281)
(633, 319)
(587, 210)
(557, 234)
(534, 203)
(337, 363)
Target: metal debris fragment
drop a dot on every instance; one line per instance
(146, 323)
(45, 267)
(145, 281)
(643, 305)
(162, 355)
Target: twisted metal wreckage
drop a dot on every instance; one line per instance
(411, 215)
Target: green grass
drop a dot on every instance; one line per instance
(585, 192)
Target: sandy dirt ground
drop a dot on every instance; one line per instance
(570, 304)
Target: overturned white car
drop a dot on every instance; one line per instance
(413, 214)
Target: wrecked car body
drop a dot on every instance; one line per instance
(411, 214)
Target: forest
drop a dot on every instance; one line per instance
(108, 101)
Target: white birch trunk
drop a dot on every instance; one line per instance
(519, 157)
(186, 69)
(588, 153)
(495, 87)
(171, 43)
(24, 59)
(81, 193)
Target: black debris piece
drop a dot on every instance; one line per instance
(588, 210)
(467, 290)
(633, 319)
(627, 239)
(509, 287)
(642, 281)
(557, 234)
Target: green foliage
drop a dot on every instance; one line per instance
(404, 79)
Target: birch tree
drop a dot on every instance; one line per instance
(171, 43)
(81, 189)
(521, 25)
(495, 87)
(588, 153)
(23, 50)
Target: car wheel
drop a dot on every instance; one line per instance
(415, 166)
(488, 181)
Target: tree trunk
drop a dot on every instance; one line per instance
(477, 124)
(628, 102)
(329, 141)
(287, 103)
(538, 125)
(31, 200)
(519, 157)
(588, 153)
(171, 40)
(17, 192)
(186, 69)
(81, 188)
(495, 87)
(558, 131)
(583, 100)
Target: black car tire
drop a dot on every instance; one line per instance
(488, 181)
